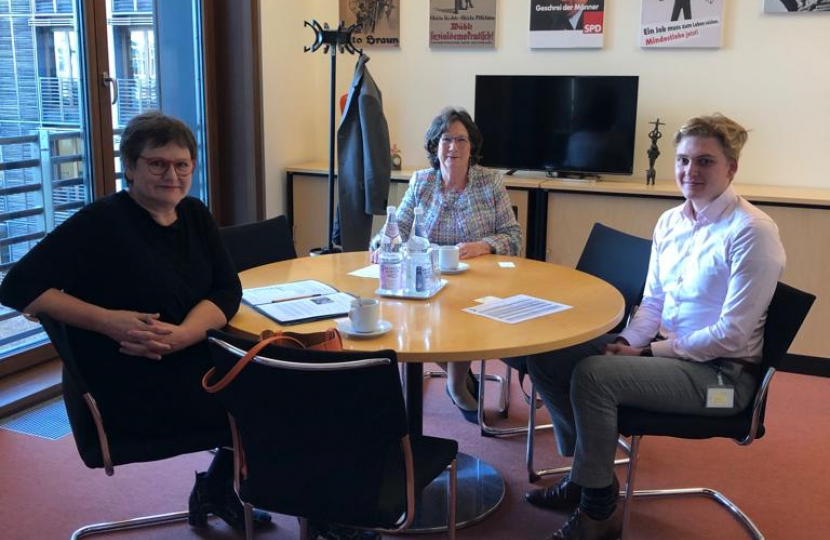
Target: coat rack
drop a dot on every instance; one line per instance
(332, 40)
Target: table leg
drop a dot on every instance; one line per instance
(480, 486)
(480, 491)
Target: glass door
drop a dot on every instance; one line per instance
(44, 136)
(154, 52)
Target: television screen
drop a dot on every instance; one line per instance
(555, 123)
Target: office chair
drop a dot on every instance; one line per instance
(104, 446)
(620, 259)
(255, 244)
(786, 313)
(308, 445)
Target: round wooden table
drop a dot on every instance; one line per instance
(438, 330)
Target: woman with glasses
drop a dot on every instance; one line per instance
(139, 277)
(464, 205)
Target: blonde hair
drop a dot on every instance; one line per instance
(730, 134)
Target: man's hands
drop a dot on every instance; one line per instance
(622, 349)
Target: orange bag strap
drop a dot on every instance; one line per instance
(234, 371)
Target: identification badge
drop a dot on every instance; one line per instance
(720, 397)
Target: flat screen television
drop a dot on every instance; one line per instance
(568, 125)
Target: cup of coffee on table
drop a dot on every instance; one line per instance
(364, 314)
(448, 257)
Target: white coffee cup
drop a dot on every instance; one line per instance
(433, 252)
(448, 257)
(364, 314)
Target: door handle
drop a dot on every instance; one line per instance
(112, 84)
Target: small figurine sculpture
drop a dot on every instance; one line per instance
(653, 151)
(396, 158)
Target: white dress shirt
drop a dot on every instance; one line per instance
(710, 280)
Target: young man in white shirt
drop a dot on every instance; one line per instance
(714, 266)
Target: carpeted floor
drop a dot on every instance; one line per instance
(46, 492)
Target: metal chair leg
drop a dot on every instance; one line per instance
(452, 500)
(303, 528)
(249, 521)
(630, 493)
(508, 379)
(127, 524)
(535, 475)
(629, 485)
(490, 431)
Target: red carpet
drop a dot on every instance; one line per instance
(46, 492)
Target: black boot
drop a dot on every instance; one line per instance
(220, 501)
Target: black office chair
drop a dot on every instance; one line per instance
(786, 313)
(255, 244)
(309, 445)
(101, 446)
(620, 259)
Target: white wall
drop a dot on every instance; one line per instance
(288, 90)
(772, 75)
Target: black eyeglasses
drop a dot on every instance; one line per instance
(159, 166)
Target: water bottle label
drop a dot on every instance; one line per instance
(390, 277)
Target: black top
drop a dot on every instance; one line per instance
(113, 254)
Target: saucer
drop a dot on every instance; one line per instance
(462, 267)
(345, 327)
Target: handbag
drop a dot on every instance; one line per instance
(328, 340)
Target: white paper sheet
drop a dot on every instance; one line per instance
(516, 309)
(371, 271)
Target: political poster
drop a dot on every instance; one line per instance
(796, 6)
(681, 24)
(462, 23)
(379, 20)
(568, 24)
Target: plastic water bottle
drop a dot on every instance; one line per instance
(419, 264)
(390, 256)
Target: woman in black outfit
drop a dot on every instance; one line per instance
(139, 277)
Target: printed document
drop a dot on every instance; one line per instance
(298, 301)
(516, 309)
(286, 291)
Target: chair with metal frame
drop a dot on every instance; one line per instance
(787, 311)
(620, 259)
(308, 445)
(262, 242)
(101, 446)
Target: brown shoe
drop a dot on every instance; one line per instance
(564, 495)
(581, 527)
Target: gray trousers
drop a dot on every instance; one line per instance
(582, 389)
